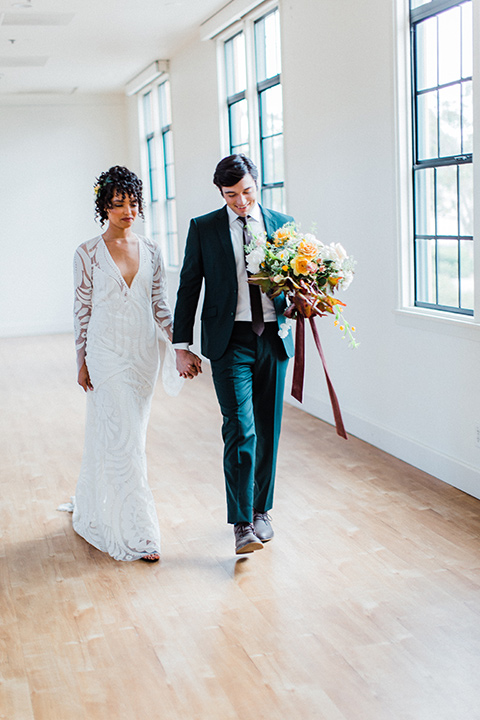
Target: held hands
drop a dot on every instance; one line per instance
(84, 378)
(188, 364)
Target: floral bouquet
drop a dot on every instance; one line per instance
(308, 272)
(305, 270)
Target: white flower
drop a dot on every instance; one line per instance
(284, 328)
(254, 259)
(347, 279)
(310, 237)
(341, 252)
(335, 252)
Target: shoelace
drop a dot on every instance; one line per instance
(261, 516)
(244, 529)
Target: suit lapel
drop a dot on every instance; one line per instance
(222, 227)
(272, 223)
(270, 220)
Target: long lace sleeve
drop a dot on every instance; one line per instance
(172, 382)
(82, 272)
(160, 307)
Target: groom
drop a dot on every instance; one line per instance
(240, 337)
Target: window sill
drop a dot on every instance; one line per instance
(445, 323)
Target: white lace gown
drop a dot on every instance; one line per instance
(116, 331)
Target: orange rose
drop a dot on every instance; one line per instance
(281, 236)
(308, 249)
(300, 265)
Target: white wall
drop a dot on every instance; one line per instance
(51, 150)
(411, 388)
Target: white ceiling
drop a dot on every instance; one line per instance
(93, 46)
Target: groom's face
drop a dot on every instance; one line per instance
(242, 197)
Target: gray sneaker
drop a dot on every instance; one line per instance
(262, 526)
(245, 539)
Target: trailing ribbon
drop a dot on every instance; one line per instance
(299, 371)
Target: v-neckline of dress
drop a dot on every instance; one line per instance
(117, 269)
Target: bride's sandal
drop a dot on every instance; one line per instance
(153, 557)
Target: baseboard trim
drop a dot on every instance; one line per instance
(450, 470)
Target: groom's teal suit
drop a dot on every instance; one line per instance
(248, 371)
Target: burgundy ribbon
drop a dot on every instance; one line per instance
(299, 371)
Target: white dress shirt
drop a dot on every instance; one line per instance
(257, 226)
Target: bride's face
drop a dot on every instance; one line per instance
(123, 212)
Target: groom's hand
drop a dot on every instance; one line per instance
(188, 364)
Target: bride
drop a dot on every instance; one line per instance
(120, 308)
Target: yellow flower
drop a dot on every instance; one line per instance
(284, 268)
(335, 322)
(352, 329)
(300, 265)
(280, 237)
(341, 327)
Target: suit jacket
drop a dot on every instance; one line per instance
(209, 257)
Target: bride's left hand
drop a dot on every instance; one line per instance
(84, 378)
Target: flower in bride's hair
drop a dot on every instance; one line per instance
(97, 189)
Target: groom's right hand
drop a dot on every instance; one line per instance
(188, 364)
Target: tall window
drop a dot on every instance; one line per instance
(152, 218)
(253, 89)
(269, 93)
(159, 169)
(166, 153)
(442, 36)
(237, 104)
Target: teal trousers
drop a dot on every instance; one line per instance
(249, 381)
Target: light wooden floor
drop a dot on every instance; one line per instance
(366, 606)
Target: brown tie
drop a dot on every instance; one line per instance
(258, 324)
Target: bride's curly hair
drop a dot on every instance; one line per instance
(119, 180)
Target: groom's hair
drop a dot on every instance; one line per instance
(232, 169)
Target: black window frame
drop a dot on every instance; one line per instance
(417, 15)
